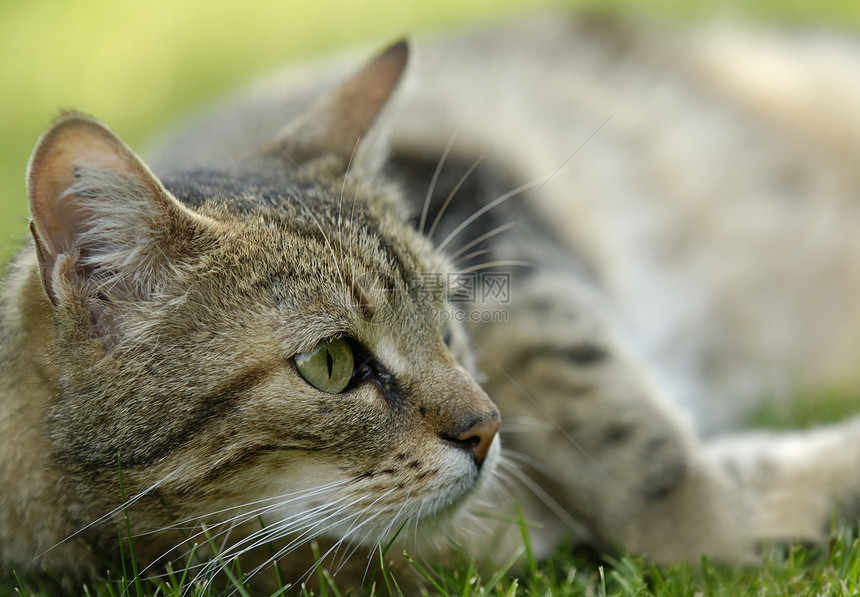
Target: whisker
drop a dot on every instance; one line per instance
(500, 263)
(112, 513)
(480, 239)
(288, 525)
(497, 201)
(501, 490)
(328, 552)
(435, 180)
(304, 538)
(332, 551)
(546, 415)
(472, 255)
(350, 530)
(278, 501)
(247, 516)
(536, 184)
(561, 167)
(528, 460)
(453, 192)
(313, 530)
(355, 231)
(524, 425)
(211, 568)
(405, 501)
(563, 515)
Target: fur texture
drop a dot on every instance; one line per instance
(671, 242)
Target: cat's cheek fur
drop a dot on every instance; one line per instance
(378, 467)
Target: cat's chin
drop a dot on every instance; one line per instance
(444, 514)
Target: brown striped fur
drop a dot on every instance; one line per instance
(699, 249)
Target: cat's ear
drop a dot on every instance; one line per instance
(97, 213)
(340, 119)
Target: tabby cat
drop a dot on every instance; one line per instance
(300, 327)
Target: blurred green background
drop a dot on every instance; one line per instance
(138, 65)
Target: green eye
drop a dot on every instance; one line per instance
(328, 366)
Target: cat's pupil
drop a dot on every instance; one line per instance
(329, 366)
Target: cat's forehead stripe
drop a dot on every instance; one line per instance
(393, 265)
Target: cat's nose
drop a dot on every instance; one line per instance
(478, 437)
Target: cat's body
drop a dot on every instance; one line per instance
(675, 243)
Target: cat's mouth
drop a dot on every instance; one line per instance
(447, 499)
(418, 507)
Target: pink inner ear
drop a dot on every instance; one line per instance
(74, 145)
(91, 199)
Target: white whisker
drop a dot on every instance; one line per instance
(482, 238)
(453, 192)
(258, 537)
(247, 516)
(311, 530)
(274, 503)
(305, 539)
(500, 263)
(546, 415)
(497, 201)
(472, 255)
(528, 460)
(524, 425)
(563, 515)
(563, 165)
(435, 179)
(113, 512)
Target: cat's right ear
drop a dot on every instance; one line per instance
(99, 217)
(339, 120)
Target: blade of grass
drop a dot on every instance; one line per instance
(469, 579)
(501, 572)
(188, 565)
(236, 582)
(275, 562)
(396, 586)
(382, 568)
(425, 574)
(138, 587)
(511, 519)
(521, 520)
(512, 590)
(332, 585)
(124, 575)
(21, 590)
(376, 567)
(315, 550)
(383, 551)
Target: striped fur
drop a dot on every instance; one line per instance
(655, 281)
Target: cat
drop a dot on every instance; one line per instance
(311, 322)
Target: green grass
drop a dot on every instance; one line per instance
(140, 65)
(805, 409)
(830, 571)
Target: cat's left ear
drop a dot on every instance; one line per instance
(99, 217)
(338, 121)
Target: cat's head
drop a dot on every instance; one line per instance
(266, 334)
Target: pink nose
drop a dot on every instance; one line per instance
(478, 438)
